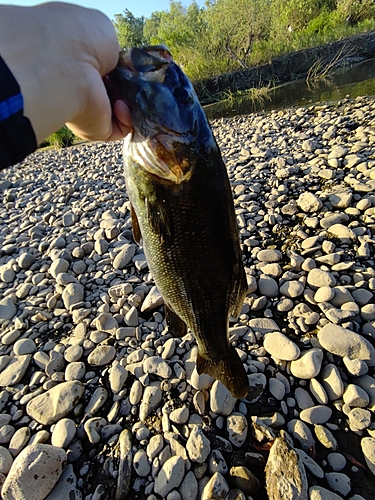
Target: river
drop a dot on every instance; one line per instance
(352, 81)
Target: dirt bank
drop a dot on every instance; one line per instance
(287, 67)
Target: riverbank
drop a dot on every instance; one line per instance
(286, 68)
(98, 397)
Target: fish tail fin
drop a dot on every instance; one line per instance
(228, 371)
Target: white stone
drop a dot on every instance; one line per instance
(345, 343)
(332, 382)
(221, 400)
(6, 460)
(14, 370)
(303, 398)
(152, 397)
(368, 449)
(73, 294)
(292, 289)
(318, 278)
(237, 428)
(308, 202)
(155, 445)
(170, 476)
(320, 493)
(141, 464)
(217, 488)
(325, 437)
(117, 377)
(339, 482)
(189, 487)
(308, 364)
(198, 446)
(356, 396)
(34, 472)
(157, 366)
(319, 414)
(279, 346)
(58, 402)
(317, 390)
(337, 461)
(301, 433)
(276, 388)
(268, 286)
(101, 355)
(324, 294)
(66, 486)
(310, 464)
(63, 433)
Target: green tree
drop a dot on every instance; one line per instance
(129, 29)
(297, 14)
(235, 26)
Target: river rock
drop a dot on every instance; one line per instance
(66, 486)
(345, 343)
(320, 493)
(332, 382)
(216, 487)
(170, 476)
(308, 202)
(221, 400)
(279, 346)
(308, 364)
(15, 370)
(34, 472)
(6, 460)
(151, 399)
(189, 487)
(244, 479)
(368, 449)
(285, 473)
(198, 446)
(57, 403)
(237, 428)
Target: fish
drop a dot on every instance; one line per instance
(182, 208)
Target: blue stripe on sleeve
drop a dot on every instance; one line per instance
(11, 106)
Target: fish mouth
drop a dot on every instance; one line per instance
(167, 156)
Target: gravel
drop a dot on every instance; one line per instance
(97, 398)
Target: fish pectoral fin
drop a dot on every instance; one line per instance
(159, 218)
(135, 226)
(228, 371)
(176, 326)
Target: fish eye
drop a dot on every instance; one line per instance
(183, 95)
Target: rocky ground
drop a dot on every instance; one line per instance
(99, 402)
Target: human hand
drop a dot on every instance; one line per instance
(59, 57)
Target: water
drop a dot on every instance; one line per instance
(356, 80)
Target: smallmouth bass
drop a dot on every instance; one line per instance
(182, 208)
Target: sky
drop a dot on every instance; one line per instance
(112, 7)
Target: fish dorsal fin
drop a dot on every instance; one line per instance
(135, 226)
(176, 326)
(159, 218)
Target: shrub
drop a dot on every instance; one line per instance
(63, 138)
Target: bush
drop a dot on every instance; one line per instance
(60, 139)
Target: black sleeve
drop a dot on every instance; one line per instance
(17, 137)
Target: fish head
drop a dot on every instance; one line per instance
(169, 124)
